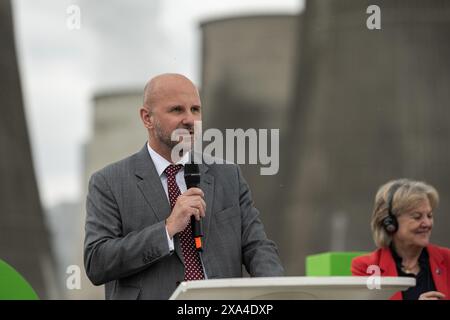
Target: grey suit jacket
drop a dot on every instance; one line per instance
(126, 245)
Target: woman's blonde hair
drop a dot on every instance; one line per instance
(408, 194)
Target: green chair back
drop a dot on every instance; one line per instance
(331, 263)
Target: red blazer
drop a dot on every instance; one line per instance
(439, 267)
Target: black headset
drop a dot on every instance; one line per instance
(390, 223)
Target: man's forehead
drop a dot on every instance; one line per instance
(174, 93)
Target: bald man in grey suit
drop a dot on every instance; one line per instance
(132, 241)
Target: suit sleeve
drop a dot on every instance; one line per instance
(260, 255)
(108, 253)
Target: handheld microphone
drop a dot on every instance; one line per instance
(192, 178)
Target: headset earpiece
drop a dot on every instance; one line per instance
(390, 223)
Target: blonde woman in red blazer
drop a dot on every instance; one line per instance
(401, 223)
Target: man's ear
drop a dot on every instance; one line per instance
(146, 117)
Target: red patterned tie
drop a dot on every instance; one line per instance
(193, 267)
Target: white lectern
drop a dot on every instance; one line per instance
(293, 288)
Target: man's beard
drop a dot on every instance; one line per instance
(165, 137)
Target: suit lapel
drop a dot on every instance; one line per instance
(438, 269)
(389, 269)
(207, 185)
(387, 263)
(150, 185)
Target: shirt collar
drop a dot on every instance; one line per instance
(161, 163)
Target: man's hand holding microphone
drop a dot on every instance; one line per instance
(190, 203)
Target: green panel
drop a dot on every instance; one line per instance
(13, 286)
(330, 263)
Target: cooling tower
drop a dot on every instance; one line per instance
(23, 234)
(369, 106)
(248, 67)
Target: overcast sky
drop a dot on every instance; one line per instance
(121, 43)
